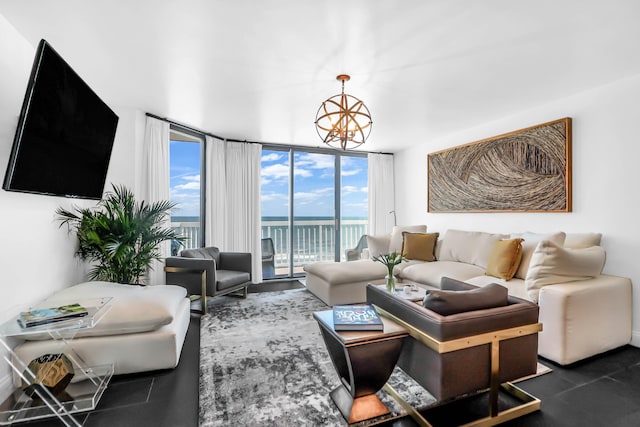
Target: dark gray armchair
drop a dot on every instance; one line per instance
(207, 272)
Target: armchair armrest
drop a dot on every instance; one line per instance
(235, 261)
(190, 280)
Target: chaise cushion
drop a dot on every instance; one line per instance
(339, 273)
(447, 303)
(132, 309)
(552, 264)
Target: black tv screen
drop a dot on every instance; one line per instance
(64, 136)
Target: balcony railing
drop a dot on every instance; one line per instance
(313, 239)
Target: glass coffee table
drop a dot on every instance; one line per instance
(405, 290)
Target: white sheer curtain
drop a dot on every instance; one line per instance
(216, 198)
(381, 193)
(155, 183)
(233, 199)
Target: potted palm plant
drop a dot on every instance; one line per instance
(120, 236)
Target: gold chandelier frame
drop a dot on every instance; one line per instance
(343, 121)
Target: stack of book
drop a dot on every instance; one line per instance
(43, 316)
(356, 318)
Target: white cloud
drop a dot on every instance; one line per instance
(273, 196)
(316, 161)
(351, 172)
(194, 185)
(192, 178)
(271, 157)
(347, 189)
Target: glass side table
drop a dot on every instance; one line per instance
(88, 383)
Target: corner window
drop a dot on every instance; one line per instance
(185, 182)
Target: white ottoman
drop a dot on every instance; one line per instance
(342, 282)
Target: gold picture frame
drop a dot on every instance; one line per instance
(528, 170)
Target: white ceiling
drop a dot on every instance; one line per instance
(259, 69)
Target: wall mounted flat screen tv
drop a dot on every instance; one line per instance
(64, 136)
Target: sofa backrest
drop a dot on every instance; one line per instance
(471, 247)
(206, 253)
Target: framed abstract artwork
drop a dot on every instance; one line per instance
(528, 170)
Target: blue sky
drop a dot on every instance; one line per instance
(184, 179)
(313, 183)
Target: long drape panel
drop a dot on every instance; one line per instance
(242, 228)
(216, 199)
(381, 193)
(233, 199)
(155, 183)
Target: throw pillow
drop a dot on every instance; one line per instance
(419, 246)
(505, 259)
(552, 264)
(447, 303)
(531, 240)
(378, 245)
(396, 235)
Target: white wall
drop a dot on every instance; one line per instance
(36, 256)
(606, 174)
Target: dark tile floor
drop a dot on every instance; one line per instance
(601, 391)
(166, 398)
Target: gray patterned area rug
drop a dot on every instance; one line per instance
(263, 362)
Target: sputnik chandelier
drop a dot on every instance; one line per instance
(343, 121)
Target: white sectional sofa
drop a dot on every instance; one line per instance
(583, 312)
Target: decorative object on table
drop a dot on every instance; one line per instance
(43, 316)
(356, 318)
(52, 371)
(120, 235)
(343, 121)
(390, 261)
(528, 170)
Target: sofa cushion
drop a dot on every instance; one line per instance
(395, 245)
(132, 309)
(338, 273)
(447, 303)
(227, 279)
(505, 258)
(419, 246)
(582, 240)
(471, 247)
(378, 245)
(552, 264)
(430, 273)
(515, 286)
(529, 244)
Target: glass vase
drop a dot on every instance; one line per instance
(391, 282)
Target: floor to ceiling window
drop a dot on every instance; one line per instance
(185, 173)
(314, 207)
